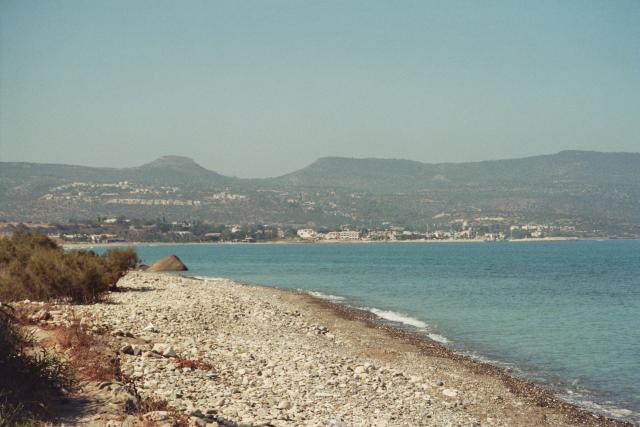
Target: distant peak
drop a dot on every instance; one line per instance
(173, 162)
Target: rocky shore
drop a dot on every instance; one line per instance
(230, 354)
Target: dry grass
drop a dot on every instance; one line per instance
(181, 419)
(89, 356)
(149, 404)
(178, 420)
(24, 312)
(195, 364)
(152, 404)
(30, 377)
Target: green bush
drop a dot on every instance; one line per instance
(28, 380)
(32, 266)
(118, 262)
(87, 276)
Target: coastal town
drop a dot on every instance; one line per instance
(125, 230)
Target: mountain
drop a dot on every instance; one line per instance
(599, 189)
(173, 170)
(356, 174)
(176, 163)
(184, 166)
(29, 179)
(568, 167)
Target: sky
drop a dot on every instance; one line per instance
(263, 88)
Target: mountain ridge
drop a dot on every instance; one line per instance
(570, 164)
(571, 184)
(179, 161)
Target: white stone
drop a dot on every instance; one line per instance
(449, 392)
(169, 352)
(159, 348)
(284, 404)
(151, 328)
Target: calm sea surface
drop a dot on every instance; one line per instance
(566, 314)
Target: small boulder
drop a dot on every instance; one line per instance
(450, 392)
(44, 315)
(169, 352)
(159, 348)
(284, 404)
(170, 263)
(150, 328)
(197, 422)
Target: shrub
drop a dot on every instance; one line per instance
(44, 275)
(35, 267)
(118, 262)
(87, 276)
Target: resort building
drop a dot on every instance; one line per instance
(307, 233)
(349, 235)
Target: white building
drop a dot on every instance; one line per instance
(307, 233)
(349, 235)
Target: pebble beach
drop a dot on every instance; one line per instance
(225, 353)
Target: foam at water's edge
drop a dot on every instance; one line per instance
(213, 279)
(397, 317)
(323, 296)
(439, 338)
(608, 410)
(569, 394)
(389, 315)
(405, 319)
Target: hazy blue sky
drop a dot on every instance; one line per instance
(258, 88)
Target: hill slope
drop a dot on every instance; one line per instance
(31, 179)
(600, 188)
(584, 167)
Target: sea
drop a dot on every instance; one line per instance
(565, 314)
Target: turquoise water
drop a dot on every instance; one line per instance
(566, 314)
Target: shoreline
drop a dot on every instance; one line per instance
(543, 396)
(84, 245)
(458, 388)
(520, 386)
